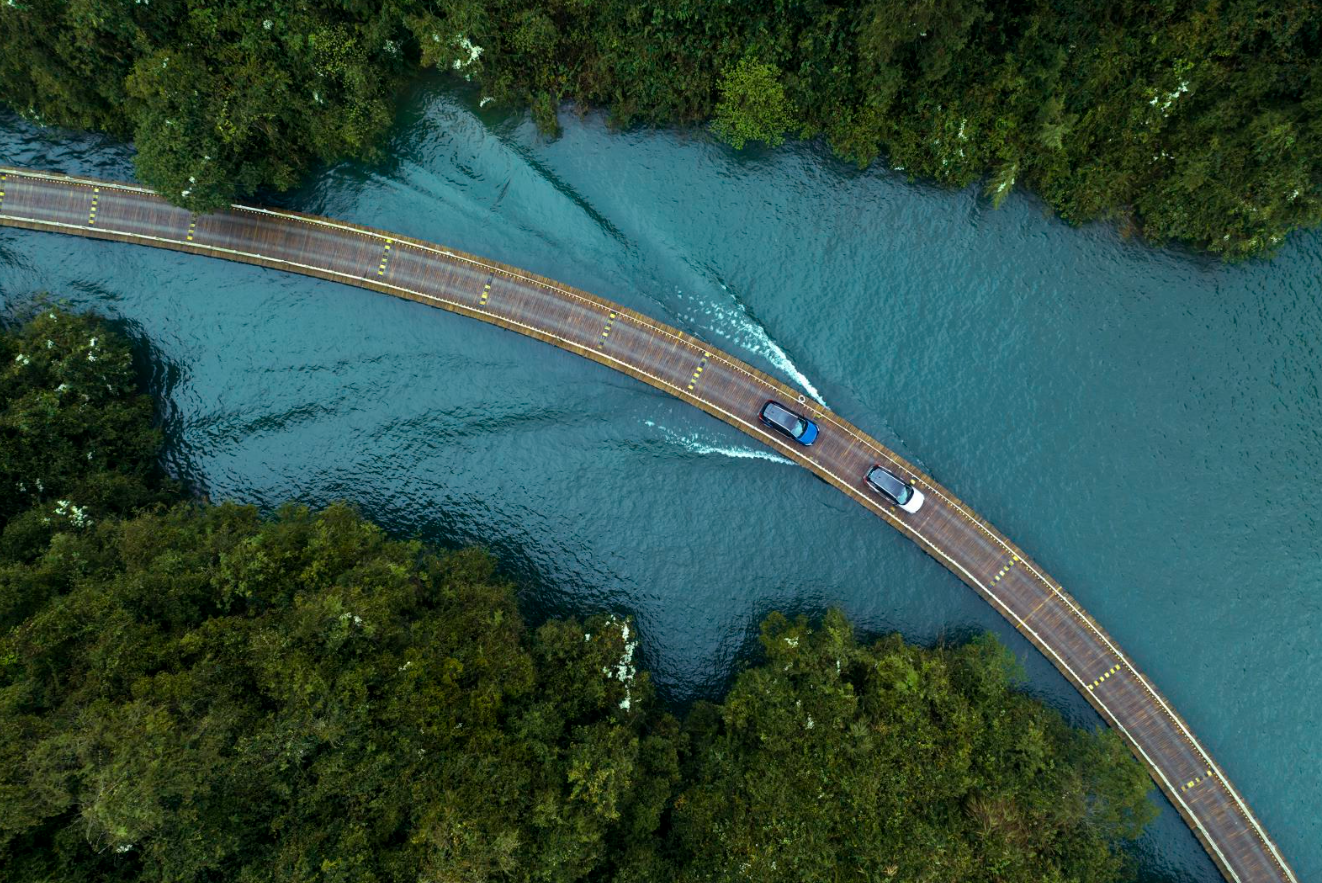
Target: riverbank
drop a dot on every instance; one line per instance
(1190, 123)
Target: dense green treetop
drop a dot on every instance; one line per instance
(192, 692)
(839, 761)
(1194, 120)
(76, 435)
(205, 695)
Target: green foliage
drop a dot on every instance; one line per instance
(1000, 183)
(210, 695)
(218, 696)
(76, 440)
(545, 114)
(1197, 121)
(195, 693)
(892, 761)
(220, 98)
(753, 106)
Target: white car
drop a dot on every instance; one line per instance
(902, 494)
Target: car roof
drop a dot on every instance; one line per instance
(781, 416)
(885, 479)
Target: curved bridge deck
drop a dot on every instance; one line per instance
(721, 385)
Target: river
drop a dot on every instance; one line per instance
(1146, 423)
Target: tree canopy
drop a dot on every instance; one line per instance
(76, 435)
(835, 760)
(1195, 120)
(196, 692)
(753, 105)
(209, 696)
(1189, 120)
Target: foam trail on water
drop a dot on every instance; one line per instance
(744, 330)
(698, 446)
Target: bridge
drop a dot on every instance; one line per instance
(723, 386)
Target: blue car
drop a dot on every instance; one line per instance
(785, 421)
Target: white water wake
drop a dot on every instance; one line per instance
(734, 324)
(695, 444)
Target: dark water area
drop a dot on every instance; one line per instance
(1146, 423)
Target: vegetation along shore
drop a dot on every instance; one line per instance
(193, 691)
(1198, 122)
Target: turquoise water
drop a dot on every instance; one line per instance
(1147, 424)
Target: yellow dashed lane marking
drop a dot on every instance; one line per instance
(3, 179)
(606, 331)
(1014, 559)
(91, 216)
(1197, 780)
(192, 227)
(385, 256)
(697, 372)
(1110, 671)
(486, 292)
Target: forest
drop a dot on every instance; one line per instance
(196, 691)
(1192, 121)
